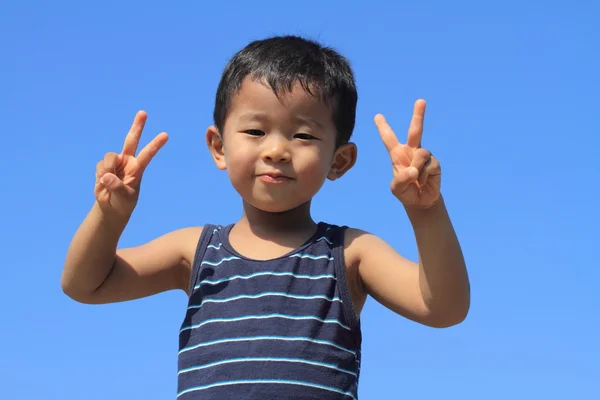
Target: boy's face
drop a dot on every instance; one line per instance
(278, 151)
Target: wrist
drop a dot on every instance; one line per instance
(435, 212)
(112, 221)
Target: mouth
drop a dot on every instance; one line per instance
(274, 177)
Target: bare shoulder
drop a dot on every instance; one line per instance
(177, 247)
(176, 251)
(188, 242)
(359, 244)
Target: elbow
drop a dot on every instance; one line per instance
(448, 320)
(72, 292)
(78, 296)
(66, 286)
(449, 316)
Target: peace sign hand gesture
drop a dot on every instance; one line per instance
(417, 174)
(118, 176)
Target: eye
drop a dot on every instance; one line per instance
(254, 132)
(305, 136)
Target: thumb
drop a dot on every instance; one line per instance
(403, 178)
(113, 184)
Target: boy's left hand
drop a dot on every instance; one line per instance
(417, 174)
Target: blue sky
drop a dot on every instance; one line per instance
(512, 93)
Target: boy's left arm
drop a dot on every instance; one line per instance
(435, 291)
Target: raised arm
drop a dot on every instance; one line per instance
(435, 291)
(94, 271)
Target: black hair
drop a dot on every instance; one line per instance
(283, 61)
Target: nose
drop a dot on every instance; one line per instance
(276, 150)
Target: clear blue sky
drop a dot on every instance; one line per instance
(513, 103)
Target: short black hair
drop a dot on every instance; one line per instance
(281, 62)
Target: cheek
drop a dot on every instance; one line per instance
(238, 154)
(313, 167)
(240, 163)
(315, 170)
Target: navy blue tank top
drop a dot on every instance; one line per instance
(277, 329)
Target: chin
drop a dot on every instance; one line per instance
(277, 201)
(273, 206)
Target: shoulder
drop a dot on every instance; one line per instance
(194, 240)
(187, 240)
(179, 243)
(360, 246)
(176, 247)
(184, 236)
(369, 252)
(357, 243)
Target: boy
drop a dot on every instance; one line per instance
(275, 299)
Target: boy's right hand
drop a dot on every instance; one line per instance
(118, 176)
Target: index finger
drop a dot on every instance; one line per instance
(148, 152)
(385, 131)
(135, 132)
(415, 130)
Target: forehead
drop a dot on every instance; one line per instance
(256, 98)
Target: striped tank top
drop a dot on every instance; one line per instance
(277, 329)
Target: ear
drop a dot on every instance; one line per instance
(214, 141)
(343, 159)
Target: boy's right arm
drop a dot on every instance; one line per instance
(95, 271)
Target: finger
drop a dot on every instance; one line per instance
(99, 170)
(111, 162)
(112, 183)
(415, 130)
(419, 159)
(132, 139)
(385, 131)
(403, 179)
(431, 167)
(148, 152)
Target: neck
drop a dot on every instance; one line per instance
(271, 225)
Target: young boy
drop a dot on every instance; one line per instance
(275, 298)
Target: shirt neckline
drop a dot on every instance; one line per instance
(224, 236)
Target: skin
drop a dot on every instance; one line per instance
(278, 152)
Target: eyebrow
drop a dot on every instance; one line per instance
(309, 121)
(260, 117)
(253, 116)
